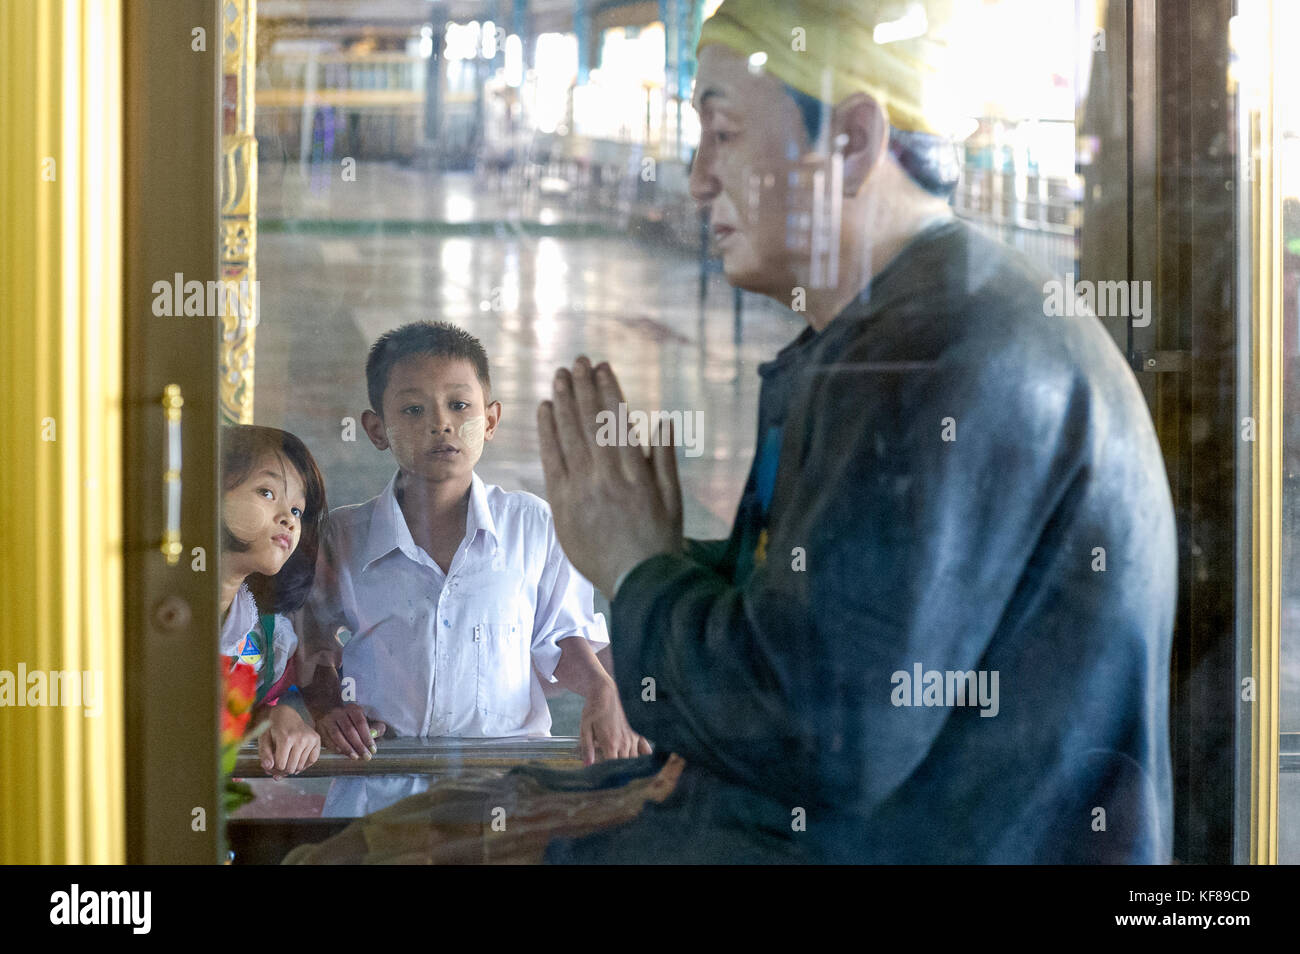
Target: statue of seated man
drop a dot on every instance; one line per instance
(940, 628)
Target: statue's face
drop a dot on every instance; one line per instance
(751, 140)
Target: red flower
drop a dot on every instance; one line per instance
(232, 727)
(239, 692)
(240, 684)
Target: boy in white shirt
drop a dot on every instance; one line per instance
(456, 594)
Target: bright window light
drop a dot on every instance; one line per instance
(907, 27)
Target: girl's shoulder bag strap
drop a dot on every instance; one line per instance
(267, 678)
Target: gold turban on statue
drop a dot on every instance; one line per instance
(895, 51)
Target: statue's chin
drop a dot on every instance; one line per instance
(750, 281)
(747, 279)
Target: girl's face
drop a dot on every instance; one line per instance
(265, 511)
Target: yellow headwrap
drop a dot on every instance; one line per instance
(830, 49)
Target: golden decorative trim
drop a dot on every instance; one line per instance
(354, 98)
(238, 206)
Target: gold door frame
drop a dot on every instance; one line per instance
(1260, 237)
(61, 568)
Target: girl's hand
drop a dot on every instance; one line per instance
(288, 745)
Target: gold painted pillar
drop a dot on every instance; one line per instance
(61, 349)
(238, 206)
(1257, 39)
(1265, 297)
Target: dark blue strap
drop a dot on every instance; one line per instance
(267, 679)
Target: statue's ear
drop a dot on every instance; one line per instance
(860, 133)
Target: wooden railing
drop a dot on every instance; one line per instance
(416, 756)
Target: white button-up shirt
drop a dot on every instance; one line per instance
(460, 653)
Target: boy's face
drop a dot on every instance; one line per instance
(265, 511)
(435, 417)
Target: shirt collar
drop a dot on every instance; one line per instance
(388, 530)
(927, 241)
(480, 514)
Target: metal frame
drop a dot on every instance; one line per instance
(1201, 221)
(172, 150)
(1182, 185)
(1164, 126)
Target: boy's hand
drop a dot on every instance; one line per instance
(288, 745)
(605, 733)
(346, 731)
(613, 506)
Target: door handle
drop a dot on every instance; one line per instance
(172, 402)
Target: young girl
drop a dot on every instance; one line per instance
(272, 506)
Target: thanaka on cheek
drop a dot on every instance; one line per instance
(471, 434)
(245, 522)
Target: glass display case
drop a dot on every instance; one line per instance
(259, 208)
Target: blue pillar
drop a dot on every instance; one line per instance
(519, 27)
(668, 17)
(682, 20)
(582, 31)
(435, 66)
(499, 54)
(688, 34)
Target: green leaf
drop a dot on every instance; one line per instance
(236, 795)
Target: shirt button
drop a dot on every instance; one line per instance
(445, 623)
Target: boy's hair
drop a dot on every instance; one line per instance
(242, 446)
(932, 162)
(440, 339)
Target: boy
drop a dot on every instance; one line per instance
(454, 592)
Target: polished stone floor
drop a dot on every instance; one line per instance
(390, 190)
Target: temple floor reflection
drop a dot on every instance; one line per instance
(538, 282)
(364, 257)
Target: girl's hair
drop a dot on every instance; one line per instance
(242, 447)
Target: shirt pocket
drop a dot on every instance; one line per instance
(504, 675)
